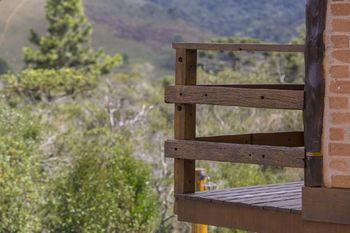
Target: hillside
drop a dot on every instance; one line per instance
(144, 29)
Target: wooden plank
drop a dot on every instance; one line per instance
(238, 153)
(322, 227)
(249, 188)
(261, 86)
(235, 195)
(241, 47)
(326, 205)
(243, 217)
(314, 87)
(290, 139)
(230, 96)
(185, 120)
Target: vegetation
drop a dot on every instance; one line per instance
(4, 67)
(82, 151)
(21, 179)
(68, 42)
(143, 30)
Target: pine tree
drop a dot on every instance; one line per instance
(68, 41)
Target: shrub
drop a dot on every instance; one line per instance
(105, 190)
(20, 174)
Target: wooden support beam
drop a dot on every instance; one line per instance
(326, 205)
(314, 90)
(231, 96)
(261, 86)
(236, 153)
(185, 120)
(238, 216)
(290, 139)
(242, 47)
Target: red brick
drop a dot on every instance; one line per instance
(338, 102)
(340, 149)
(340, 87)
(342, 55)
(340, 118)
(339, 165)
(340, 9)
(341, 25)
(340, 41)
(339, 71)
(341, 181)
(336, 134)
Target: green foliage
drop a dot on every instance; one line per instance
(273, 20)
(264, 67)
(106, 190)
(68, 41)
(48, 84)
(4, 67)
(21, 185)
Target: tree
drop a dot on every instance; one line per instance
(47, 84)
(68, 42)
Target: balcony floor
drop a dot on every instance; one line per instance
(268, 208)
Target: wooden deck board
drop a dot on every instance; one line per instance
(283, 197)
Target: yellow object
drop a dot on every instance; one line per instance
(313, 154)
(201, 180)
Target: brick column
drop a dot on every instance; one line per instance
(336, 131)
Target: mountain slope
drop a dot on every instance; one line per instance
(144, 29)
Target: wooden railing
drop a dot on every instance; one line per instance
(278, 149)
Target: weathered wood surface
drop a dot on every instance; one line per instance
(231, 96)
(290, 139)
(323, 227)
(241, 47)
(261, 86)
(237, 153)
(277, 196)
(326, 205)
(185, 121)
(314, 88)
(264, 209)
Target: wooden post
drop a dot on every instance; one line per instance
(185, 120)
(314, 90)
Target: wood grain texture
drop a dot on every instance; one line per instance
(237, 153)
(281, 197)
(323, 227)
(314, 85)
(231, 96)
(241, 47)
(243, 217)
(185, 120)
(326, 205)
(290, 139)
(261, 86)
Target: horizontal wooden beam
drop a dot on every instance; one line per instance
(236, 153)
(242, 47)
(261, 86)
(326, 205)
(232, 96)
(288, 139)
(242, 217)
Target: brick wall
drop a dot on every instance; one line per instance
(336, 132)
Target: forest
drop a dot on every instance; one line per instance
(83, 126)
